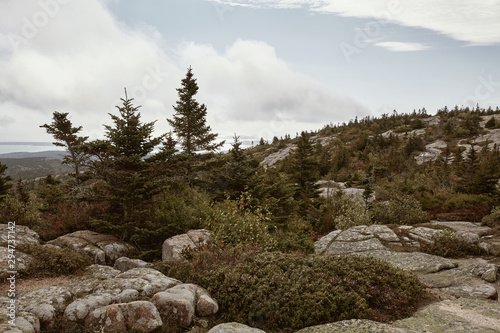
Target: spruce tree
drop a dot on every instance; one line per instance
(189, 120)
(130, 139)
(66, 136)
(4, 182)
(121, 162)
(305, 171)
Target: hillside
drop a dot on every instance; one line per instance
(33, 167)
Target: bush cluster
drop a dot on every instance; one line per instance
(404, 209)
(52, 261)
(492, 220)
(233, 225)
(448, 245)
(285, 292)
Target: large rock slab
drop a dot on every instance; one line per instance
(368, 245)
(173, 247)
(324, 242)
(146, 281)
(102, 249)
(24, 321)
(457, 226)
(124, 264)
(463, 315)
(416, 262)
(176, 305)
(139, 316)
(11, 264)
(423, 235)
(234, 328)
(485, 291)
(22, 234)
(355, 326)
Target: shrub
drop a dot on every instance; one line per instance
(177, 210)
(343, 212)
(448, 245)
(288, 241)
(403, 209)
(24, 213)
(233, 225)
(285, 292)
(50, 262)
(492, 220)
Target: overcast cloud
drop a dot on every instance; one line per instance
(79, 60)
(476, 22)
(260, 73)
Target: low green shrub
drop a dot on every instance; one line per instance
(401, 209)
(492, 220)
(288, 241)
(448, 245)
(51, 261)
(281, 292)
(232, 224)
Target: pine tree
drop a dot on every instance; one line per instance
(189, 120)
(65, 135)
(305, 171)
(236, 150)
(4, 182)
(130, 139)
(121, 162)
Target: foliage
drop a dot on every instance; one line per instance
(285, 292)
(492, 220)
(21, 207)
(177, 210)
(232, 224)
(305, 172)
(294, 241)
(52, 261)
(491, 123)
(399, 209)
(189, 121)
(4, 182)
(129, 181)
(447, 244)
(65, 135)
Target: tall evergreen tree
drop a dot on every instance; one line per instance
(305, 171)
(121, 161)
(130, 139)
(4, 182)
(189, 120)
(66, 136)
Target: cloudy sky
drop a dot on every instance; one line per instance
(264, 67)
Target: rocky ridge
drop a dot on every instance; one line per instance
(133, 296)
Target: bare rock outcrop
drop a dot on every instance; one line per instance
(102, 249)
(172, 247)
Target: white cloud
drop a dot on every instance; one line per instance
(79, 60)
(250, 83)
(476, 22)
(402, 46)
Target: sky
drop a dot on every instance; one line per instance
(264, 68)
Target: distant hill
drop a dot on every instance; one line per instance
(54, 154)
(34, 165)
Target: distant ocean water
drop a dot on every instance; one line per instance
(30, 147)
(35, 147)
